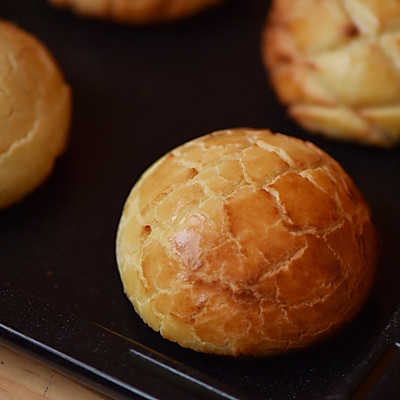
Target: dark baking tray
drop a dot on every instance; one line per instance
(139, 92)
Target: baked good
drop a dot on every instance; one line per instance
(245, 242)
(336, 66)
(137, 11)
(34, 113)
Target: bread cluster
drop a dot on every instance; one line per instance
(336, 66)
(35, 104)
(245, 242)
(137, 11)
(242, 241)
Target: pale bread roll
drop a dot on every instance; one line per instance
(244, 242)
(137, 11)
(34, 113)
(336, 65)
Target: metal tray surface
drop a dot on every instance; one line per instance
(138, 92)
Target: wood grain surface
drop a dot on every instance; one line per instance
(22, 378)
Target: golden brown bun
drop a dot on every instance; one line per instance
(336, 65)
(137, 11)
(34, 113)
(244, 242)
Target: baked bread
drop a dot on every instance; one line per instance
(244, 242)
(34, 113)
(336, 66)
(137, 11)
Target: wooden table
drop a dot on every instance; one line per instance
(22, 378)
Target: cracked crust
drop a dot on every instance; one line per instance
(137, 11)
(244, 242)
(336, 65)
(34, 113)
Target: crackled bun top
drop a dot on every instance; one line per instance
(336, 65)
(246, 242)
(35, 107)
(137, 11)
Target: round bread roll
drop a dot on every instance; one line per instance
(137, 11)
(34, 113)
(244, 242)
(336, 66)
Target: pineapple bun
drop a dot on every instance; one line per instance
(245, 242)
(335, 64)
